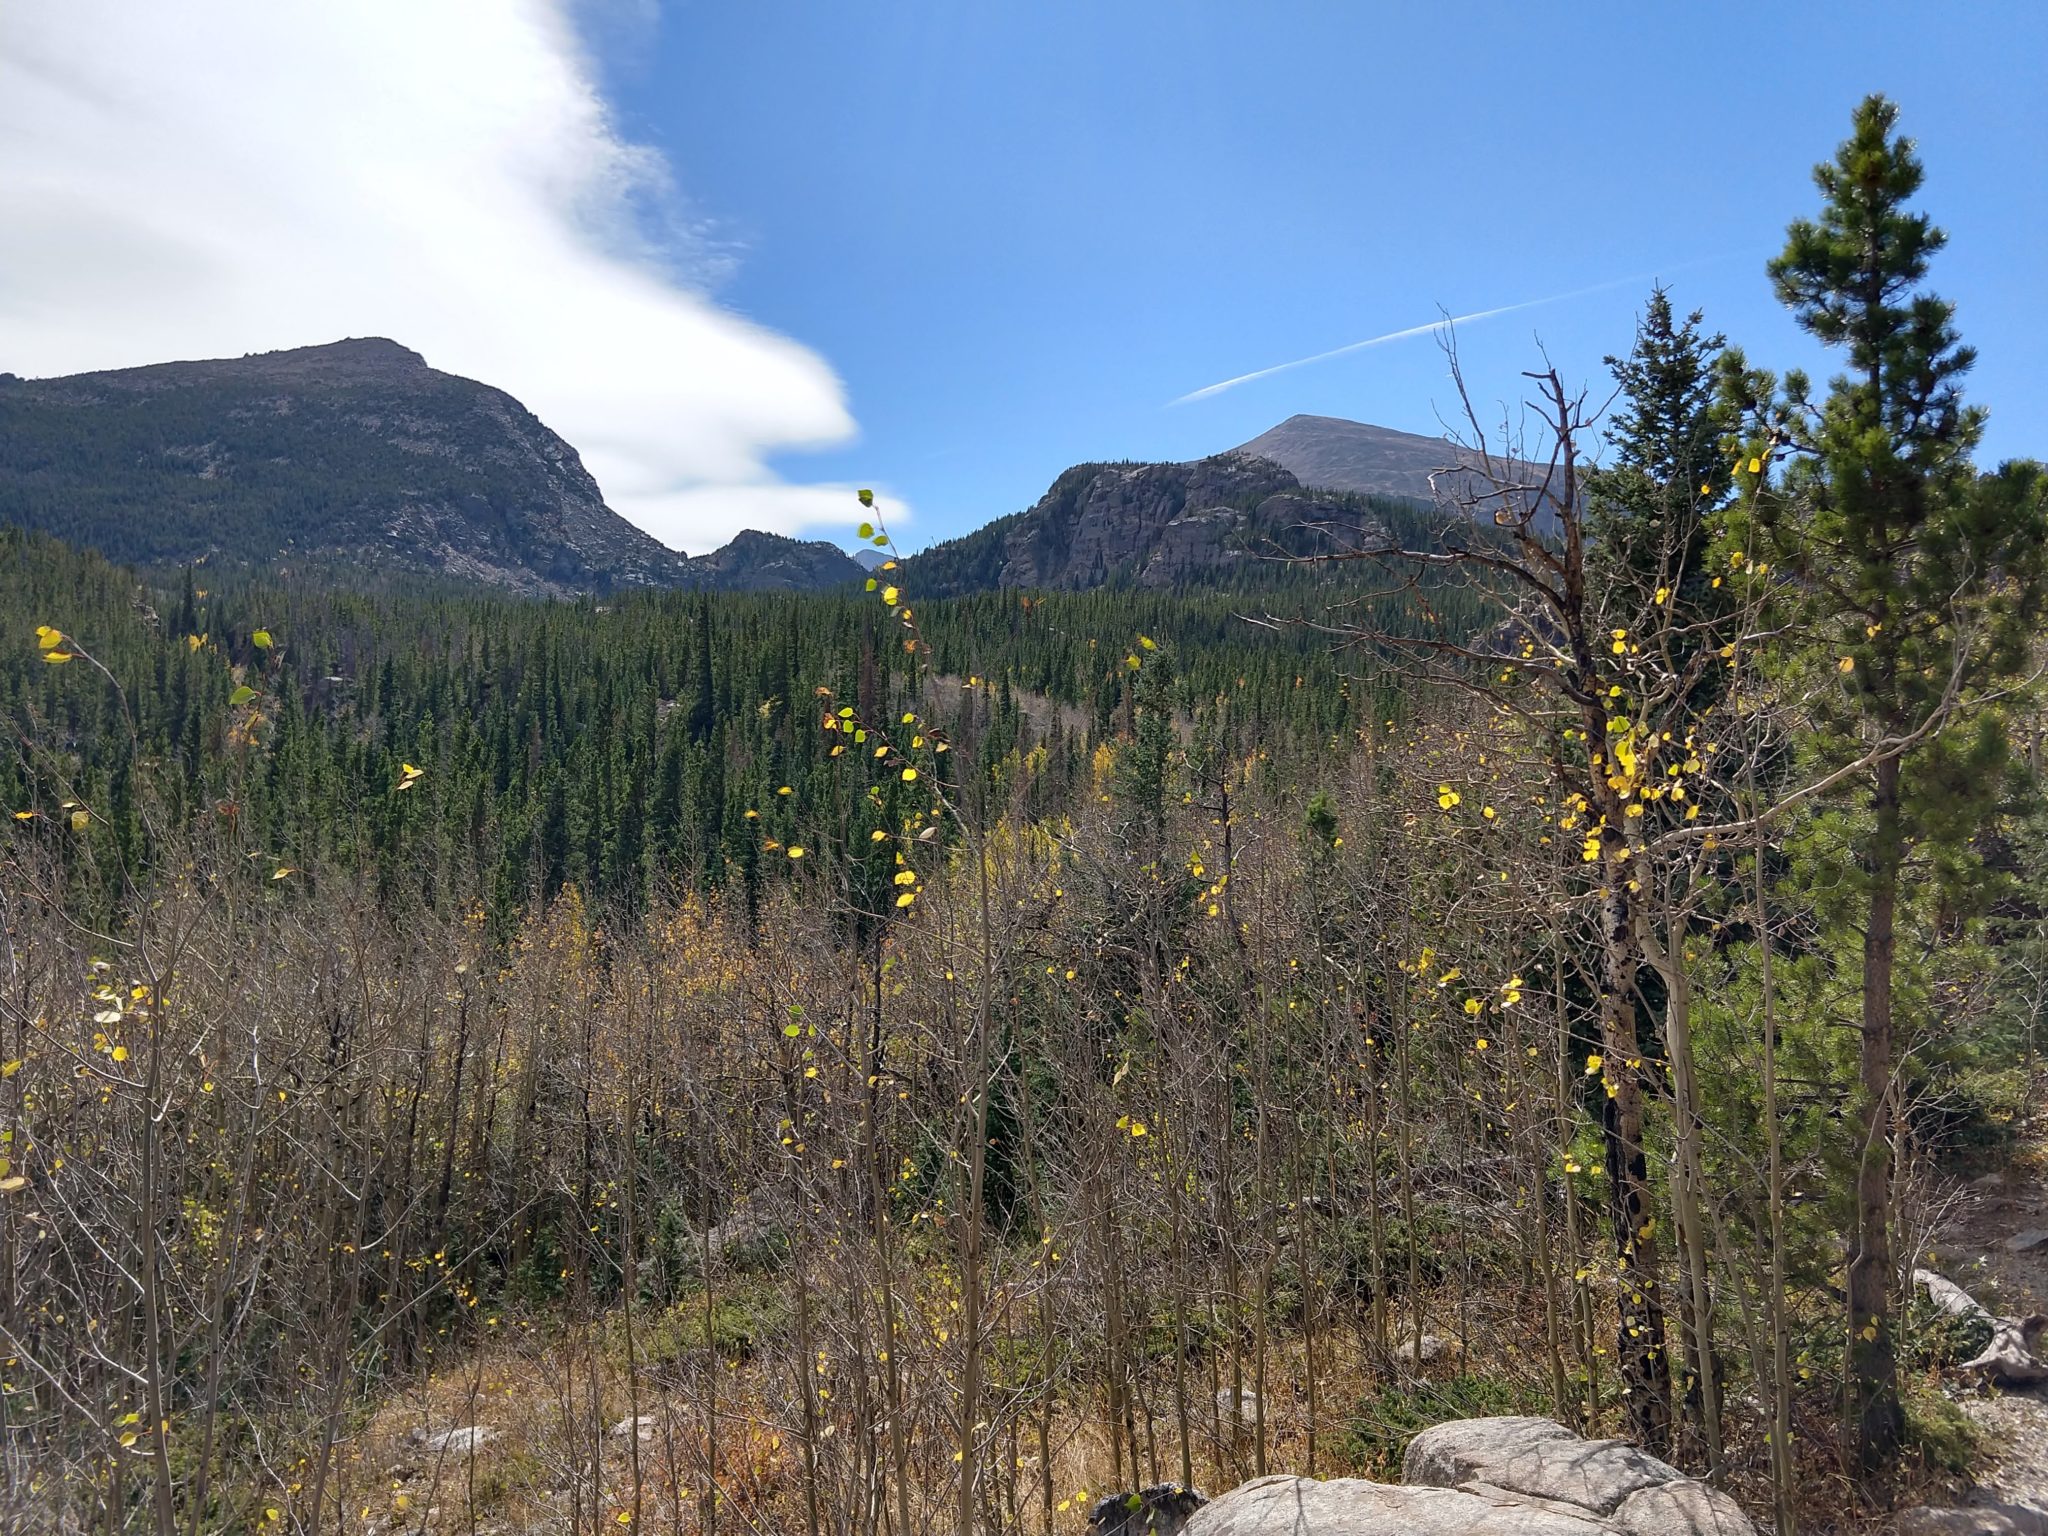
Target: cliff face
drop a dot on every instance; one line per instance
(352, 455)
(1154, 525)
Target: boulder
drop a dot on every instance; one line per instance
(1684, 1508)
(1164, 1509)
(1468, 1477)
(455, 1442)
(1350, 1506)
(1540, 1460)
(643, 1427)
(1242, 1405)
(1433, 1348)
(2027, 1241)
(1533, 1456)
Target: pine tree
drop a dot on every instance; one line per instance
(1919, 587)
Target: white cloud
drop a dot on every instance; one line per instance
(226, 176)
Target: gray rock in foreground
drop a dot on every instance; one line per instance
(1479, 1477)
(1537, 1457)
(1541, 1459)
(1350, 1506)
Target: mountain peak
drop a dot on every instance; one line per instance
(357, 349)
(355, 454)
(1328, 453)
(754, 561)
(1333, 454)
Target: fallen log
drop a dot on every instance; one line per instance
(2009, 1358)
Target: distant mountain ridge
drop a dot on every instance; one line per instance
(355, 455)
(1331, 453)
(357, 458)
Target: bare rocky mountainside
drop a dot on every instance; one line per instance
(1330, 453)
(1149, 525)
(353, 455)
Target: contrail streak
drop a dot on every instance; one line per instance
(1400, 335)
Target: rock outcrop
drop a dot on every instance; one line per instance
(1469, 1477)
(1150, 525)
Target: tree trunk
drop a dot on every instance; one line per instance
(1639, 1306)
(1874, 1408)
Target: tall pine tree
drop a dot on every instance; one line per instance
(1918, 587)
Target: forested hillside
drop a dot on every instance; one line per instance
(651, 744)
(931, 1056)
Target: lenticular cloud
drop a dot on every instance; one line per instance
(231, 176)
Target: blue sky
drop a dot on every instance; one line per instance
(749, 255)
(1018, 231)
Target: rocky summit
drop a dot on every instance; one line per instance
(1328, 453)
(352, 458)
(356, 454)
(1146, 525)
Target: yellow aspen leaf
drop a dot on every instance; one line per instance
(1846, 664)
(910, 775)
(890, 594)
(906, 898)
(795, 851)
